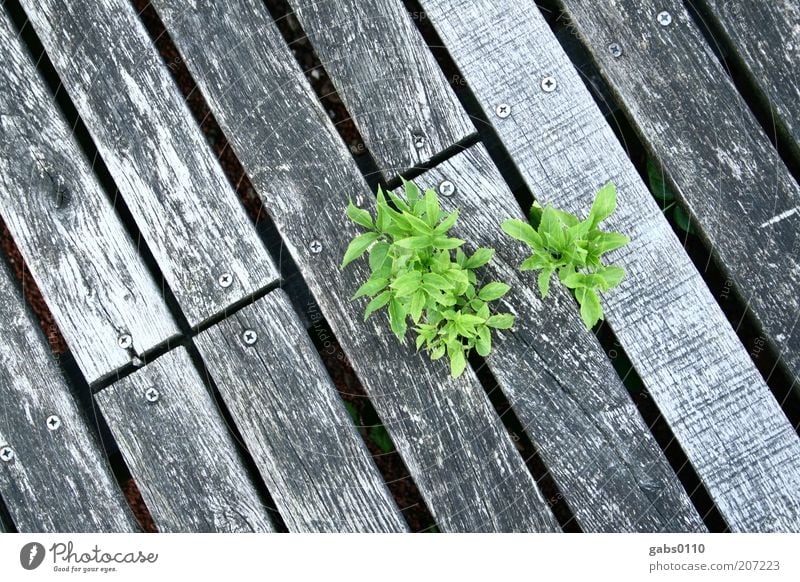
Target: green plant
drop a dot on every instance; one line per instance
(420, 273)
(564, 244)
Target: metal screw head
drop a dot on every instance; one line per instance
(664, 18)
(6, 454)
(125, 341)
(315, 246)
(503, 110)
(419, 141)
(548, 84)
(225, 280)
(615, 49)
(249, 337)
(152, 395)
(53, 422)
(447, 188)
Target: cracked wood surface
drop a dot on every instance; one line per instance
(180, 451)
(387, 78)
(691, 361)
(167, 174)
(455, 447)
(316, 465)
(90, 274)
(53, 480)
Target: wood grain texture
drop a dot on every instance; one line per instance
(766, 37)
(56, 480)
(387, 78)
(558, 379)
(454, 445)
(724, 168)
(86, 266)
(180, 452)
(706, 386)
(166, 172)
(316, 466)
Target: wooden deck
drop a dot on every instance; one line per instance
(192, 306)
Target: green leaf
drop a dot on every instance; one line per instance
(397, 319)
(608, 241)
(377, 303)
(447, 223)
(414, 242)
(483, 345)
(358, 246)
(479, 258)
(359, 216)
(543, 281)
(458, 362)
(417, 304)
(353, 412)
(380, 437)
(591, 312)
(605, 202)
(501, 321)
(610, 276)
(378, 254)
(658, 185)
(522, 231)
(371, 287)
(431, 208)
(535, 215)
(682, 219)
(446, 243)
(551, 228)
(411, 190)
(493, 291)
(436, 281)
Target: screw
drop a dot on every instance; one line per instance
(615, 49)
(249, 337)
(53, 422)
(7, 454)
(419, 141)
(664, 18)
(503, 110)
(548, 84)
(315, 246)
(125, 341)
(152, 395)
(447, 188)
(225, 280)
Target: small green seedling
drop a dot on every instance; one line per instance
(563, 244)
(421, 273)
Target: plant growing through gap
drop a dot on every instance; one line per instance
(572, 248)
(419, 273)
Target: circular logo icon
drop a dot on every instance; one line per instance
(31, 555)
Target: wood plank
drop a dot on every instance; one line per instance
(723, 166)
(689, 357)
(454, 445)
(166, 172)
(387, 78)
(316, 466)
(53, 478)
(765, 37)
(180, 451)
(86, 266)
(558, 379)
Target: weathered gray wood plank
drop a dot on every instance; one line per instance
(453, 443)
(387, 78)
(53, 475)
(689, 357)
(558, 379)
(723, 165)
(162, 165)
(766, 38)
(315, 464)
(180, 451)
(86, 266)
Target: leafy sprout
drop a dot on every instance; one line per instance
(572, 248)
(420, 275)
